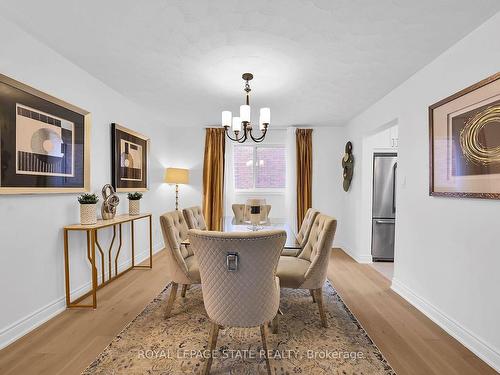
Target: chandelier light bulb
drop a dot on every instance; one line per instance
(265, 117)
(226, 118)
(236, 124)
(245, 113)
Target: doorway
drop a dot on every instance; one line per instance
(381, 145)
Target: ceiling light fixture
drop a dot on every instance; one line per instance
(243, 121)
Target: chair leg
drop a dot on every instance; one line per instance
(263, 335)
(321, 307)
(276, 323)
(312, 295)
(212, 342)
(171, 299)
(184, 289)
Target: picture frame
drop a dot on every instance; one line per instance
(464, 142)
(129, 159)
(44, 142)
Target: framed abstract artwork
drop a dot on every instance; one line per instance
(44, 142)
(129, 159)
(464, 148)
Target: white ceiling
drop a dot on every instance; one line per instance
(316, 62)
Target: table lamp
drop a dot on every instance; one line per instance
(176, 176)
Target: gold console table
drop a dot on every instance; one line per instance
(92, 242)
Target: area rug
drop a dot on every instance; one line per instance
(152, 345)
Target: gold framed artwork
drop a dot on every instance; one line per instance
(464, 132)
(44, 142)
(129, 159)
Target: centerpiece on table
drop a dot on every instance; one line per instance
(254, 208)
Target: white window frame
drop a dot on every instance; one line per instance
(255, 146)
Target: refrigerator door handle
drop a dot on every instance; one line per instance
(394, 187)
(382, 221)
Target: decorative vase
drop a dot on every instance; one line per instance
(88, 214)
(134, 206)
(111, 201)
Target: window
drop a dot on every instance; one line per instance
(260, 167)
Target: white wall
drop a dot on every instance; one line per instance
(31, 250)
(328, 194)
(447, 253)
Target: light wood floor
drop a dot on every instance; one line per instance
(411, 343)
(68, 343)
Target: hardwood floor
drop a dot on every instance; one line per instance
(68, 343)
(411, 343)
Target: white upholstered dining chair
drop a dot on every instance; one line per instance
(309, 269)
(303, 234)
(194, 218)
(238, 279)
(305, 227)
(182, 266)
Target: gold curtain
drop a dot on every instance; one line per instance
(213, 177)
(303, 139)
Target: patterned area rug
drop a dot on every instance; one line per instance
(152, 345)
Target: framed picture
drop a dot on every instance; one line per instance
(44, 142)
(464, 148)
(129, 159)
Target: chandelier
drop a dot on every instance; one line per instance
(241, 126)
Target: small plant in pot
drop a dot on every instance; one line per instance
(134, 206)
(88, 208)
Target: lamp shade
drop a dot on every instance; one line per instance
(226, 118)
(177, 176)
(265, 117)
(245, 113)
(236, 124)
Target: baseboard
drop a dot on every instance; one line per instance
(465, 337)
(28, 323)
(364, 259)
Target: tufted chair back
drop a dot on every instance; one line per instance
(242, 212)
(317, 251)
(239, 212)
(249, 295)
(194, 218)
(175, 230)
(306, 226)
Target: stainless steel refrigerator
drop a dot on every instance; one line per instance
(384, 206)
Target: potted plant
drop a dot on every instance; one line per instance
(88, 208)
(134, 199)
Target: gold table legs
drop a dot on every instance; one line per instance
(150, 265)
(91, 257)
(92, 243)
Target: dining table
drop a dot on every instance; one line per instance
(230, 224)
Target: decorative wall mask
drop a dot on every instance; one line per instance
(347, 165)
(110, 202)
